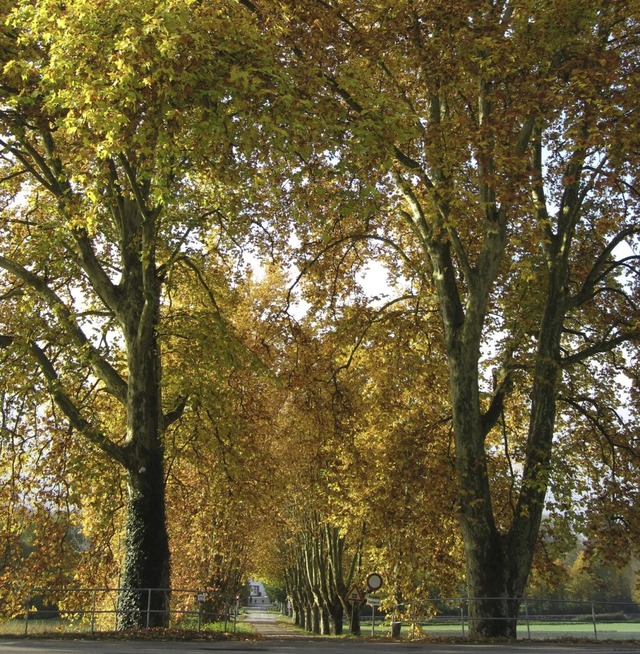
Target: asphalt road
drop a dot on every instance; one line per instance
(295, 645)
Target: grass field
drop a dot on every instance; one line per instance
(604, 630)
(538, 630)
(12, 627)
(60, 626)
(549, 630)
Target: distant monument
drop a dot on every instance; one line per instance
(257, 595)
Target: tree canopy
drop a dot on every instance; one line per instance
(483, 155)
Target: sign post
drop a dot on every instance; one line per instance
(374, 583)
(355, 596)
(373, 602)
(201, 599)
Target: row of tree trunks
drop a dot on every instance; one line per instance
(316, 585)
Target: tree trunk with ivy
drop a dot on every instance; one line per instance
(95, 215)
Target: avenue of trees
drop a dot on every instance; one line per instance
(199, 380)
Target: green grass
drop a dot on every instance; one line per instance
(584, 629)
(36, 627)
(17, 627)
(538, 630)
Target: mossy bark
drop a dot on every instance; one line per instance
(144, 598)
(146, 568)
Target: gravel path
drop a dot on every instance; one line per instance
(265, 624)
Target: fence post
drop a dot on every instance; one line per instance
(167, 602)
(27, 604)
(148, 606)
(462, 617)
(414, 619)
(115, 613)
(93, 612)
(593, 617)
(526, 613)
(237, 612)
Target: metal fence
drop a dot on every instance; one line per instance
(97, 609)
(538, 619)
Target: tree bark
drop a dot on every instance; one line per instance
(316, 613)
(497, 563)
(337, 614)
(144, 599)
(353, 613)
(484, 546)
(146, 565)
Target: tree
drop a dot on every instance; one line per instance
(38, 519)
(365, 464)
(219, 473)
(303, 541)
(501, 136)
(486, 151)
(602, 583)
(105, 186)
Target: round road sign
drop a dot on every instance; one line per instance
(374, 581)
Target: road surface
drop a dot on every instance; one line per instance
(294, 646)
(276, 639)
(264, 622)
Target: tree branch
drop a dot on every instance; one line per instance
(112, 380)
(604, 266)
(43, 179)
(66, 404)
(502, 386)
(108, 292)
(175, 414)
(76, 420)
(138, 192)
(599, 348)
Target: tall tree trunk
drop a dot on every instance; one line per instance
(298, 616)
(353, 614)
(316, 613)
(484, 546)
(498, 563)
(146, 578)
(125, 239)
(144, 599)
(146, 569)
(325, 622)
(341, 582)
(337, 613)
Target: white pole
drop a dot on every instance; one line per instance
(373, 619)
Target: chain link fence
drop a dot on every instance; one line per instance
(92, 610)
(97, 609)
(538, 619)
